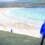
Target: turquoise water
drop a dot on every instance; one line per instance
(23, 14)
(29, 13)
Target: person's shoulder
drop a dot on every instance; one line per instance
(43, 24)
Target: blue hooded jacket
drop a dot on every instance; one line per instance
(42, 31)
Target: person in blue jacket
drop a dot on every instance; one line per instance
(42, 32)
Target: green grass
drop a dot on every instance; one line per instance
(7, 38)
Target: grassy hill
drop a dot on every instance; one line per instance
(7, 38)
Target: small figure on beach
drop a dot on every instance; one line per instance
(11, 30)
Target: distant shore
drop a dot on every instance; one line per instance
(21, 5)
